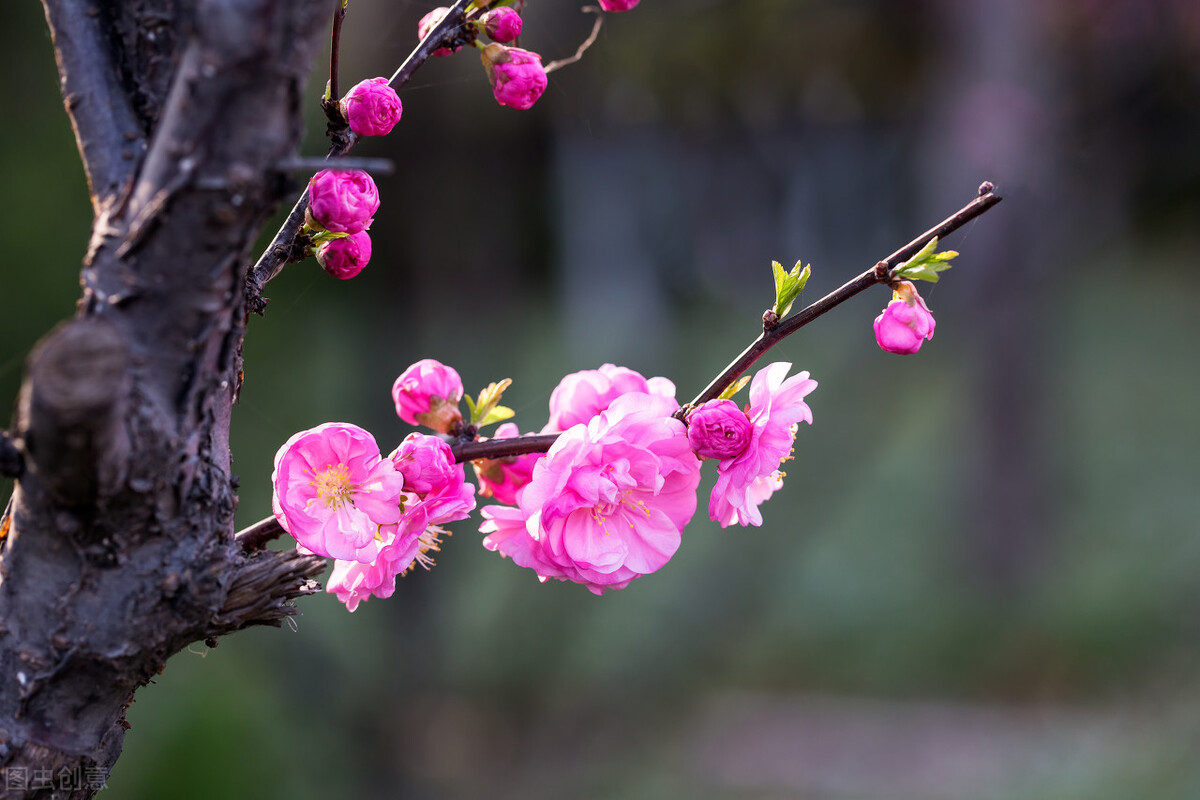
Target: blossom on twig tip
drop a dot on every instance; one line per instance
(517, 76)
(906, 323)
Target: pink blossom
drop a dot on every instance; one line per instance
(345, 256)
(428, 22)
(718, 429)
(906, 322)
(618, 5)
(427, 393)
(372, 107)
(354, 581)
(332, 491)
(502, 24)
(582, 395)
(745, 481)
(503, 478)
(517, 76)
(435, 493)
(437, 484)
(344, 201)
(608, 502)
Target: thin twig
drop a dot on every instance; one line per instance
(259, 534)
(376, 166)
(280, 251)
(335, 42)
(880, 273)
(441, 35)
(588, 42)
(502, 448)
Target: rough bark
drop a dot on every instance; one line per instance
(119, 548)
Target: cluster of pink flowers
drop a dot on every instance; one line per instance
(608, 502)
(376, 517)
(517, 76)
(750, 445)
(342, 202)
(604, 506)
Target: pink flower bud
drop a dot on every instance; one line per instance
(517, 76)
(906, 322)
(618, 5)
(502, 24)
(345, 256)
(719, 429)
(372, 107)
(427, 393)
(344, 201)
(428, 22)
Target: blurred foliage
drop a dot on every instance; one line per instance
(695, 143)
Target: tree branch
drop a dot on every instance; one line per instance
(257, 535)
(880, 273)
(108, 133)
(282, 251)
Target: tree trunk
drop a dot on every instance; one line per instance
(119, 548)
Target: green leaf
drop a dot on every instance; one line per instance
(497, 414)
(734, 388)
(926, 264)
(487, 409)
(788, 285)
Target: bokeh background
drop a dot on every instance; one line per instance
(981, 577)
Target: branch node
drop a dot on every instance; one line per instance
(72, 411)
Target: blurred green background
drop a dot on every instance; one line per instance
(980, 579)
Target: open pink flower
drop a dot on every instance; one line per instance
(608, 502)
(435, 493)
(906, 322)
(618, 5)
(342, 200)
(745, 481)
(427, 393)
(345, 256)
(503, 478)
(372, 107)
(517, 76)
(333, 490)
(354, 581)
(428, 22)
(502, 24)
(582, 395)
